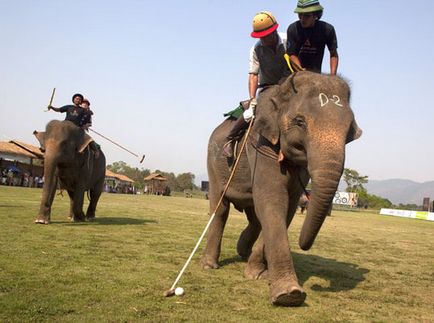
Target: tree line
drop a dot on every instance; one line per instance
(185, 181)
(179, 183)
(355, 183)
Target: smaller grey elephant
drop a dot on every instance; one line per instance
(69, 159)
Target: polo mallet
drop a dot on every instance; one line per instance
(171, 291)
(51, 99)
(141, 160)
(291, 63)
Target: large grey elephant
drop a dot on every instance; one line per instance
(300, 131)
(69, 159)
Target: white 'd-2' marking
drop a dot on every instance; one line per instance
(324, 99)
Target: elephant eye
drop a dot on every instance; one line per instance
(299, 121)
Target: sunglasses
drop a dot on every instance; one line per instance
(305, 15)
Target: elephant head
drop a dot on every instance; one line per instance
(310, 118)
(63, 139)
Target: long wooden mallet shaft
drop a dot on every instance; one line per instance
(115, 143)
(171, 291)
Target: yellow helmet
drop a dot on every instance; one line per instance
(264, 24)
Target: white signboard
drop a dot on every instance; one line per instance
(409, 214)
(345, 198)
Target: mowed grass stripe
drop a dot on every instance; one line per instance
(363, 266)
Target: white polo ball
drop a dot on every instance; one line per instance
(179, 291)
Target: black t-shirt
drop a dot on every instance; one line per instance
(86, 117)
(308, 44)
(73, 113)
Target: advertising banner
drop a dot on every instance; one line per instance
(429, 216)
(345, 198)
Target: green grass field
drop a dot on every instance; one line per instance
(363, 266)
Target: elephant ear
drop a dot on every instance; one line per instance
(354, 132)
(267, 116)
(41, 138)
(84, 142)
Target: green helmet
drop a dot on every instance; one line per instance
(307, 6)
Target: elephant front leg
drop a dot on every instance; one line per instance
(48, 193)
(77, 206)
(214, 239)
(272, 207)
(71, 205)
(257, 265)
(94, 197)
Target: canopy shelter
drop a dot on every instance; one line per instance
(118, 183)
(155, 184)
(21, 157)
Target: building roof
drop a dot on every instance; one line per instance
(109, 173)
(155, 176)
(123, 178)
(19, 148)
(30, 148)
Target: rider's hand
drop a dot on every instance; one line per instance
(249, 113)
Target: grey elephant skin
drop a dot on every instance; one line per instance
(308, 121)
(69, 159)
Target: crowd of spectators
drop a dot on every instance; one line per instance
(13, 177)
(120, 188)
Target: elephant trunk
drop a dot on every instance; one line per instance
(325, 181)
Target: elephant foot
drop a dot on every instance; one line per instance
(90, 218)
(78, 219)
(207, 263)
(293, 295)
(42, 220)
(256, 272)
(244, 250)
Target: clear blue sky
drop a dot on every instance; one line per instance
(159, 74)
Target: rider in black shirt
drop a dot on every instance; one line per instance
(81, 117)
(308, 37)
(74, 112)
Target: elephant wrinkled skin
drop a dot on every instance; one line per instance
(309, 120)
(69, 159)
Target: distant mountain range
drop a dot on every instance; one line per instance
(399, 190)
